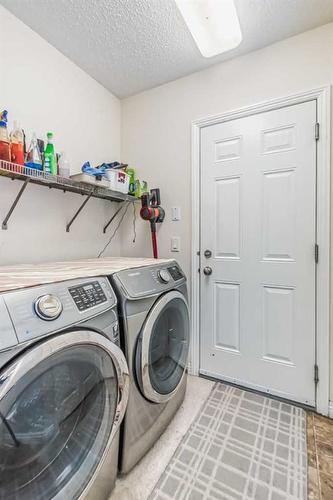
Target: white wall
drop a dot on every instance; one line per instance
(156, 124)
(46, 92)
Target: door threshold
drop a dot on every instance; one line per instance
(261, 393)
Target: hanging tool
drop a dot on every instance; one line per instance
(152, 211)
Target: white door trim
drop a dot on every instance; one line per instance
(323, 97)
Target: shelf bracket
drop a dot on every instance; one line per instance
(112, 218)
(78, 211)
(15, 202)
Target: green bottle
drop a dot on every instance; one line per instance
(50, 161)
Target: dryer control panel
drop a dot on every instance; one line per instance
(150, 280)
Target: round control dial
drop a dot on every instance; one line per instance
(48, 307)
(163, 276)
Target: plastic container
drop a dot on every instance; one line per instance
(16, 145)
(4, 139)
(91, 179)
(64, 169)
(137, 191)
(131, 173)
(118, 180)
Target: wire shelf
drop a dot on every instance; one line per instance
(14, 171)
(34, 176)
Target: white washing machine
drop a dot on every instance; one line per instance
(63, 391)
(154, 327)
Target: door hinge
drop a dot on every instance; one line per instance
(317, 131)
(316, 374)
(316, 253)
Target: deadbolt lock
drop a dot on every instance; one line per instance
(207, 254)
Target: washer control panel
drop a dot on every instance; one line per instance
(41, 310)
(87, 295)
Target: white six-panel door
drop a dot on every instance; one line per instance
(258, 219)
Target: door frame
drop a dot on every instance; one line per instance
(322, 95)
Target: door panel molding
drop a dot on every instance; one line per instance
(322, 95)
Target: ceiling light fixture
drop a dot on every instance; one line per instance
(214, 24)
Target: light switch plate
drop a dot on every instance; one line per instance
(175, 244)
(175, 213)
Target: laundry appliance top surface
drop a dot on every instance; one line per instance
(29, 275)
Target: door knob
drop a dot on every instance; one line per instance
(207, 270)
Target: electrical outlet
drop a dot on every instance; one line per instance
(175, 244)
(175, 213)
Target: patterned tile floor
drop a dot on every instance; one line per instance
(320, 457)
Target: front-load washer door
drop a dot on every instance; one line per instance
(61, 403)
(162, 349)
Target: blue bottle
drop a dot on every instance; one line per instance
(34, 157)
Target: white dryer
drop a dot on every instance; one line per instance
(154, 326)
(63, 391)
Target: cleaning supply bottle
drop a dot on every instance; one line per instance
(34, 157)
(4, 139)
(50, 161)
(137, 190)
(131, 173)
(16, 145)
(63, 166)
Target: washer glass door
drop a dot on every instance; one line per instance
(163, 347)
(58, 407)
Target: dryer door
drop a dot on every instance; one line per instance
(61, 404)
(163, 348)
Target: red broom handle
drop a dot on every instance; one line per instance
(154, 240)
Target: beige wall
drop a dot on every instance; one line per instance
(156, 124)
(45, 91)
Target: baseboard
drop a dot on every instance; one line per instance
(330, 409)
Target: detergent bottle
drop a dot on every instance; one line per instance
(50, 161)
(4, 139)
(16, 145)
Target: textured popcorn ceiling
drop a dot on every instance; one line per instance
(132, 45)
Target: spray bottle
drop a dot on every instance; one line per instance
(34, 157)
(4, 139)
(16, 145)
